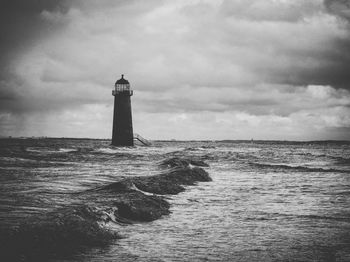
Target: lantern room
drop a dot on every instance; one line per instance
(122, 86)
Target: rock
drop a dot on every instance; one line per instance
(188, 176)
(129, 195)
(63, 231)
(128, 200)
(176, 162)
(140, 207)
(198, 163)
(159, 184)
(171, 182)
(125, 185)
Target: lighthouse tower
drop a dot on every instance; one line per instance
(122, 119)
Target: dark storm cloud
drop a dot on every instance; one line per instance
(36, 76)
(291, 33)
(337, 73)
(21, 25)
(335, 62)
(340, 8)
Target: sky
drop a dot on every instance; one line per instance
(200, 69)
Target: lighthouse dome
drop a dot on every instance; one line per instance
(122, 81)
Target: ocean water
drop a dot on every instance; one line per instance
(268, 201)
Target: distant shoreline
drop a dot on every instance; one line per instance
(179, 141)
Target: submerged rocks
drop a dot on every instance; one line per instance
(63, 231)
(130, 200)
(122, 186)
(81, 224)
(159, 184)
(171, 182)
(132, 205)
(141, 207)
(182, 163)
(133, 196)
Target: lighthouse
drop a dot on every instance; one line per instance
(122, 119)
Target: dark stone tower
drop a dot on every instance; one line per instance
(122, 119)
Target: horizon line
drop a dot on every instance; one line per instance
(180, 140)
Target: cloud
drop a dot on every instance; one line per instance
(285, 11)
(21, 26)
(250, 64)
(340, 8)
(259, 100)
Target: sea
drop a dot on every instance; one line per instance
(267, 201)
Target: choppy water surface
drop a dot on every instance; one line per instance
(268, 201)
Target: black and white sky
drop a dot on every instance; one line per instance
(200, 69)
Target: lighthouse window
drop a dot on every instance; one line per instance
(121, 88)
